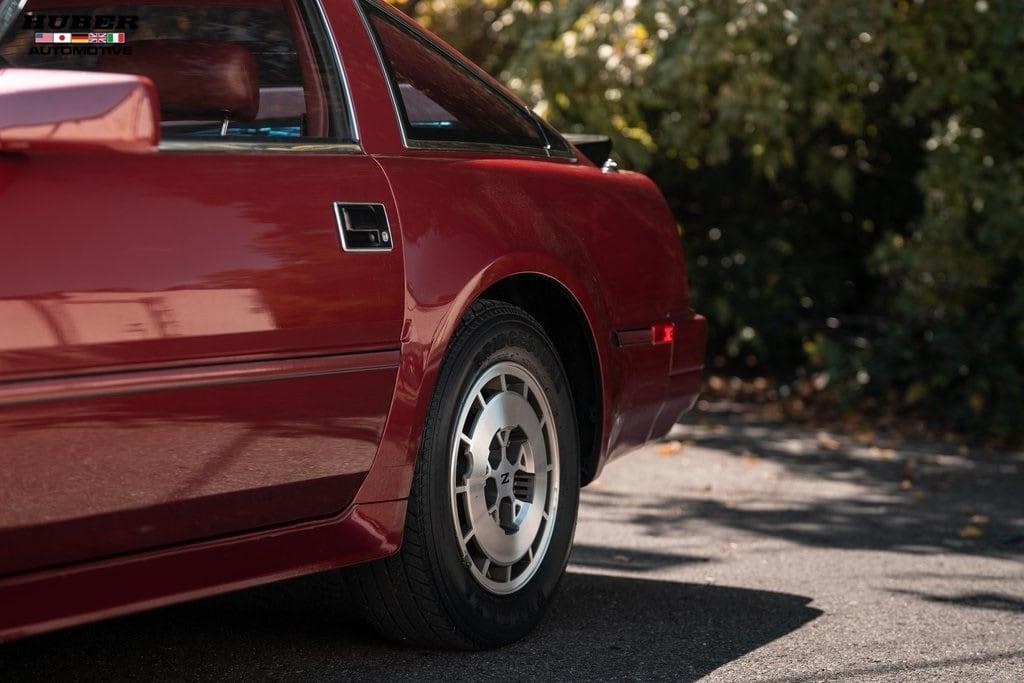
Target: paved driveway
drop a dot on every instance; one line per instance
(738, 551)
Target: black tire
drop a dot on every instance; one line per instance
(425, 595)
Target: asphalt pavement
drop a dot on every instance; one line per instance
(735, 551)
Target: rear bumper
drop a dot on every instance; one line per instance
(686, 374)
(659, 382)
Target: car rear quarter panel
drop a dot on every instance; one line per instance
(606, 238)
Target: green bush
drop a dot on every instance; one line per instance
(849, 174)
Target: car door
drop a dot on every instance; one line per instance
(204, 340)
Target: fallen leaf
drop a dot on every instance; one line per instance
(828, 442)
(979, 519)
(971, 531)
(669, 449)
(906, 485)
(751, 458)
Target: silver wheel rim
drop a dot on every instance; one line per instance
(503, 478)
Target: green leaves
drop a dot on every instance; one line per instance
(855, 161)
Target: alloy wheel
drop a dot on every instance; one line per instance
(504, 477)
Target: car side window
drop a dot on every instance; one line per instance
(440, 100)
(239, 70)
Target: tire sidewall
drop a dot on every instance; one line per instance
(489, 617)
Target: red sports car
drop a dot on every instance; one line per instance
(289, 285)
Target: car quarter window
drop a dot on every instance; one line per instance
(440, 100)
(236, 70)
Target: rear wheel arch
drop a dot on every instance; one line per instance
(524, 280)
(563, 318)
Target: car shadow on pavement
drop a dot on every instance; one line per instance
(600, 626)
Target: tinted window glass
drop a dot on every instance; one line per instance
(442, 101)
(253, 65)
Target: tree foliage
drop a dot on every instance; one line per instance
(850, 174)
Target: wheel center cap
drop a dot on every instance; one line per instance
(505, 476)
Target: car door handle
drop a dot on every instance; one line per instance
(363, 227)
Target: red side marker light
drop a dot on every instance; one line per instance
(664, 333)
